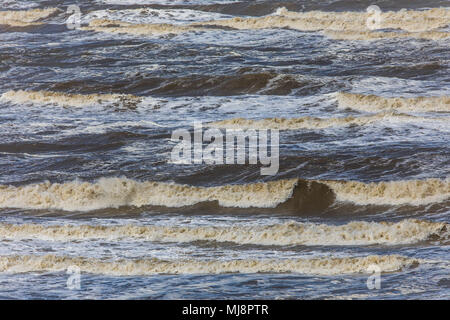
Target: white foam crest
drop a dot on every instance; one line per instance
(153, 16)
(165, 2)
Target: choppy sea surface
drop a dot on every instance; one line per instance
(93, 207)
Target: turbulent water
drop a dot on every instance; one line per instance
(88, 182)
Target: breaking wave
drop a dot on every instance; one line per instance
(116, 192)
(409, 20)
(26, 17)
(413, 192)
(294, 194)
(290, 233)
(369, 35)
(115, 26)
(319, 266)
(307, 122)
(67, 99)
(151, 15)
(373, 103)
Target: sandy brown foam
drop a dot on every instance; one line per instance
(291, 233)
(413, 192)
(116, 26)
(373, 103)
(66, 99)
(374, 35)
(116, 192)
(306, 122)
(26, 17)
(319, 266)
(410, 20)
(296, 193)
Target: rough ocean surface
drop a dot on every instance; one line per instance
(87, 179)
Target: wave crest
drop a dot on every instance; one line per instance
(372, 103)
(373, 35)
(294, 195)
(22, 18)
(408, 20)
(320, 266)
(290, 233)
(307, 122)
(413, 192)
(116, 192)
(116, 26)
(67, 99)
